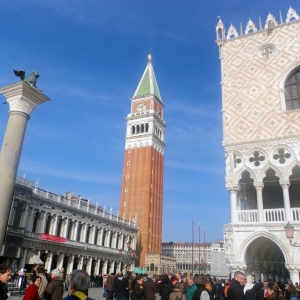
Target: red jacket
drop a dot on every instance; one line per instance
(31, 293)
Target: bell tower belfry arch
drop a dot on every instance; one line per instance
(142, 180)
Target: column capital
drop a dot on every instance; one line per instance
(233, 188)
(258, 185)
(284, 183)
(23, 97)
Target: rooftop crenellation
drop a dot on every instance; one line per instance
(270, 24)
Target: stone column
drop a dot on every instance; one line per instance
(260, 207)
(108, 235)
(112, 266)
(89, 266)
(49, 261)
(22, 262)
(80, 263)
(93, 235)
(85, 229)
(233, 202)
(61, 261)
(97, 265)
(294, 272)
(22, 99)
(25, 217)
(104, 268)
(286, 199)
(75, 235)
(65, 234)
(100, 237)
(70, 263)
(43, 222)
(54, 225)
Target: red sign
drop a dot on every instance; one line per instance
(52, 238)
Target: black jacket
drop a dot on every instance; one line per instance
(235, 291)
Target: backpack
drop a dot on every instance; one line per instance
(180, 297)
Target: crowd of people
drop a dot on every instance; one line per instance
(131, 286)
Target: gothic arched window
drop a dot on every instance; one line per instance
(292, 91)
(133, 129)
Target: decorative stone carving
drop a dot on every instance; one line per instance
(266, 51)
(291, 15)
(232, 32)
(250, 26)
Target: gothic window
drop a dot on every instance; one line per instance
(146, 127)
(142, 128)
(48, 224)
(70, 231)
(137, 128)
(292, 91)
(133, 129)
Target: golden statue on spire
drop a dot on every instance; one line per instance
(149, 57)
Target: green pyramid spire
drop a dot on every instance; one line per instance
(148, 84)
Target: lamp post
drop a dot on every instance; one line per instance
(289, 230)
(127, 255)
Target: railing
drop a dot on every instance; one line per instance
(296, 214)
(274, 215)
(248, 216)
(82, 205)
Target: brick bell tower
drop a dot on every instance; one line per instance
(142, 181)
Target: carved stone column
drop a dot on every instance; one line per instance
(70, 264)
(65, 234)
(93, 235)
(233, 202)
(286, 199)
(75, 235)
(22, 99)
(43, 222)
(89, 265)
(260, 207)
(22, 262)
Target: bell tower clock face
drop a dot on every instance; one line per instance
(141, 107)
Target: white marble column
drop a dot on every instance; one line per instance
(85, 229)
(97, 265)
(70, 264)
(93, 235)
(49, 261)
(43, 222)
(54, 225)
(286, 199)
(114, 240)
(260, 207)
(104, 267)
(112, 266)
(108, 235)
(75, 235)
(80, 263)
(61, 261)
(100, 236)
(65, 234)
(233, 202)
(89, 266)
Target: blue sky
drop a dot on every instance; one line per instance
(91, 56)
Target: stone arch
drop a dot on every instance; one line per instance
(238, 176)
(241, 253)
(286, 73)
(264, 170)
(289, 170)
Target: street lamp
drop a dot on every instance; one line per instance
(289, 230)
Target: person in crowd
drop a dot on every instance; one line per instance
(221, 286)
(250, 290)
(63, 277)
(235, 290)
(32, 291)
(150, 288)
(274, 292)
(78, 286)
(178, 292)
(291, 291)
(191, 288)
(92, 277)
(96, 281)
(185, 283)
(132, 281)
(138, 292)
(165, 288)
(5, 276)
(34, 272)
(55, 288)
(47, 276)
(105, 285)
(110, 287)
(120, 287)
(40, 271)
(201, 293)
(100, 280)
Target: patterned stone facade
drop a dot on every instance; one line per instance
(261, 138)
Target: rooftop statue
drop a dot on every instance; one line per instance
(31, 79)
